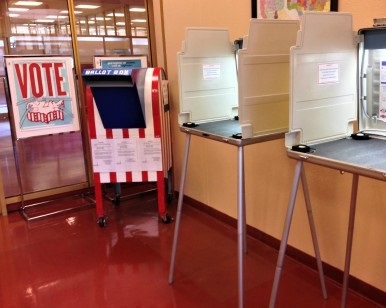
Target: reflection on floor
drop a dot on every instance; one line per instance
(44, 162)
(69, 261)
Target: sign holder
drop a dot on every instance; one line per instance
(42, 100)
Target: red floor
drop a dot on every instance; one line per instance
(69, 261)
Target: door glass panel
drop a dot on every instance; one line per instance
(42, 27)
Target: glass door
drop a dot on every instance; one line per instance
(45, 165)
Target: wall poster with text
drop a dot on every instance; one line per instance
(43, 95)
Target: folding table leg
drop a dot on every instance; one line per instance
(299, 173)
(179, 208)
(284, 238)
(241, 225)
(313, 233)
(354, 191)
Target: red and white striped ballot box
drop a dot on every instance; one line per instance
(128, 117)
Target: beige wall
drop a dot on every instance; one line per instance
(212, 174)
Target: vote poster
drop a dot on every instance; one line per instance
(43, 95)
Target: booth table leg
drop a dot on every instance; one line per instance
(313, 233)
(179, 208)
(284, 238)
(354, 191)
(241, 225)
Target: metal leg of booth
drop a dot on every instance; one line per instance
(241, 221)
(299, 174)
(350, 232)
(179, 209)
(241, 224)
(313, 233)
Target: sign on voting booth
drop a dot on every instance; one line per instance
(129, 130)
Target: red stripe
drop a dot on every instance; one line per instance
(145, 177)
(113, 177)
(155, 99)
(125, 133)
(98, 195)
(141, 132)
(161, 193)
(129, 177)
(109, 133)
(90, 111)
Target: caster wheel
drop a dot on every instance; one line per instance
(102, 222)
(167, 219)
(117, 199)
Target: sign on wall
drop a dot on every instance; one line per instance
(43, 95)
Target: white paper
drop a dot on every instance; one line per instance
(382, 91)
(328, 73)
(103, 155)
(126, 154)
(211, 71)
(151, 154)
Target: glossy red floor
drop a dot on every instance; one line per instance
(67, 260)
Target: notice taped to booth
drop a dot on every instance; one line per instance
(43, 95)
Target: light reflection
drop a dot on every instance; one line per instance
(71, 221)
(29, 294)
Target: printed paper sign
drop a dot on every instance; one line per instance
(382, 91)
(211, 71)
(43, 95)
(328, 73)
(126, 154)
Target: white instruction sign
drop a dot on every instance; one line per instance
(382, 91)
(126, 155)
(211, 71)
(103, 155)
(328, 73)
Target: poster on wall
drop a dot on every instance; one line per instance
(290, 9)
(43, 95)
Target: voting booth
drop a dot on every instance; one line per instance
(129, 128)
(336, 75)
(227, 95)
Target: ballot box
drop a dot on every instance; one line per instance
(337, 113)
(235, 96)
(129, 129)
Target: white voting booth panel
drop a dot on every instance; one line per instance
(263, 76)
(323, 103)
(334, 74)
(213, 90)
(207, 75)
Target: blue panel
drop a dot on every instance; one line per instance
(119, 107)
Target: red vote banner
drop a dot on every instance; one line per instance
(43, 95)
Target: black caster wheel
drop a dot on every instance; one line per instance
(102, 222)
(167, 219)
(117, 199)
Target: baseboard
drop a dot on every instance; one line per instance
(356, 285)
